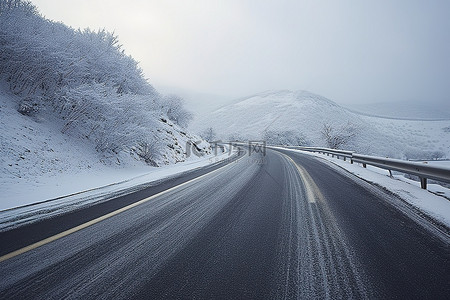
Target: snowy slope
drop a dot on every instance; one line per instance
(306, 113)
(38, 162)
(282, 110)
(74, 104)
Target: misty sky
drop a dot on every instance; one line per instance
(348, 51)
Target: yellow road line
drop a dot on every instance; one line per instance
(312, 190)
(104, 217)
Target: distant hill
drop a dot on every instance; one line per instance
(404, 110)
(285, 114)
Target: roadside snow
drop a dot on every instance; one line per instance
(52, 199)
(108, 179)
(434, 202)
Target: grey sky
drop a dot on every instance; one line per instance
(348, 51)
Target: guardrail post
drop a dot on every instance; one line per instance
(364, 165)
(390, 173)
(345, 159)
(423, 183)
(351, 161)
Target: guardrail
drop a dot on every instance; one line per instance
(328, 151)
(422, 170)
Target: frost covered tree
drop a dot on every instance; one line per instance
(149, 152)
(285, 137)
(338, 136)
(85, 79)
(209, 134)
(173, 106)
(237, 137)
(420, 154)
(436, 155)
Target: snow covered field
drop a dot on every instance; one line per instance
(434, 202)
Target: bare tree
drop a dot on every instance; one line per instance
(436, 155)
(173, 106)
(209, 134)
(149, 152)
(336, 138)
(285, 137)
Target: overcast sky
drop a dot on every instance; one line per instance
(348, 50)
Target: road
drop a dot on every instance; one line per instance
(283, 225)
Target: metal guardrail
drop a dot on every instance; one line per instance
(333, 152)
(422, 170)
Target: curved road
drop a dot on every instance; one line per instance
(281, 226)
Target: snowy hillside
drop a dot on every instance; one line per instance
(304, 114)
(72, 104)
(83, 85)
(38, 161)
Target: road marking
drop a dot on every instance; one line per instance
(313, 192)
(104, 217)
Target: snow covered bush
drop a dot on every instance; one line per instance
(209, 134)
(149, 152)
(85, 79)
(418, 154)
(338, 137)
(287, 137)
(172, 105)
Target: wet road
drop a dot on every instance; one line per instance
(281, 226)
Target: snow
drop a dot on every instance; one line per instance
(50, 187)
(38, 162)
(68, 192)
(77, 114)
(434, 202)
(305, 113)
(414, 135)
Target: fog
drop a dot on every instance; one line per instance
(348, 51)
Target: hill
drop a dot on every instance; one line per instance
(300, 117)
(76, 111)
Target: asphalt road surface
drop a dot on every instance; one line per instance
(283, 225)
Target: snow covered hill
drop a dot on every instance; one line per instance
(85, 85)
(39, 162)
(304, 114)
(73, 103)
